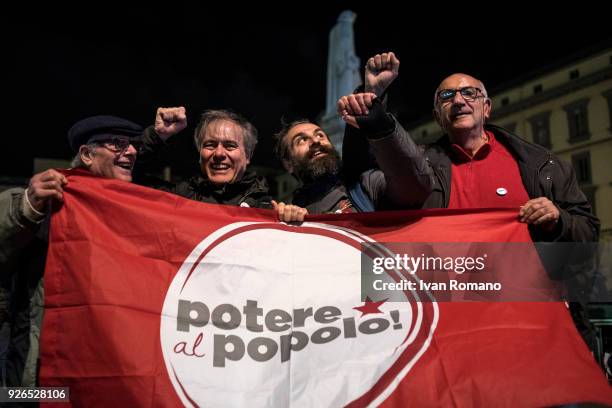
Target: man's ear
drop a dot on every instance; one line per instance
(86, 155)
(436, 116)
(487, 105)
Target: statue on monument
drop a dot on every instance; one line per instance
(342, 73)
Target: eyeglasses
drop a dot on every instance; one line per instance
(469, 93)
(120, 144)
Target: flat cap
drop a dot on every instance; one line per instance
(101, 128)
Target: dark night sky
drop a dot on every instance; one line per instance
(261, 63)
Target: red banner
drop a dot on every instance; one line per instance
(155, 300)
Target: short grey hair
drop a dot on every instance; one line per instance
(77, 162)
(248, 130)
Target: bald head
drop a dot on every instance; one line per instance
(462, 110)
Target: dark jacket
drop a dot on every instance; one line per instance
(543, 175)
(331, 195)
(249, 191)
(326, 196)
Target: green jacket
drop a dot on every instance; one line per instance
(23, 250)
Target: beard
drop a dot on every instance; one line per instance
(310, 169)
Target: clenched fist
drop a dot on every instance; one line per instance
(170, 121)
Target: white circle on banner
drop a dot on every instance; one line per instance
(265, 314)
(501, 191)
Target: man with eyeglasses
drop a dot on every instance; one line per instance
(477, 164)
(103, 145)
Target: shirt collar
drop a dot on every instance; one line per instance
(459, 155)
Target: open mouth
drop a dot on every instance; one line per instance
(125, 165)
(220, 167)
(460, 115)
(319, 153)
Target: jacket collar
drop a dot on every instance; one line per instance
(250, 181)
(527, 153)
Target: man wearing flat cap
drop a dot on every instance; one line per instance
(104, 145)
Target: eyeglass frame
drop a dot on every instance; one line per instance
(479, 93)
(119, 144)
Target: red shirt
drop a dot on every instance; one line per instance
(489, 179)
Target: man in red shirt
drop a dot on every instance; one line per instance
(476, 164)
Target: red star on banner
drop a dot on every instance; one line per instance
(370, 307)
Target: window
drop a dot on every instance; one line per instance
(574, 74)
(537, 89)
(540, 129)
(608, 95)
(582, 166)
(577, 120)
(589, 192)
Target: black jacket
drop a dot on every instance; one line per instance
(251, 191)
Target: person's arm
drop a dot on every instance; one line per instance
(168, 122)
(565, 216)
(16, 230)
(405, 179)
(23, 210)
(380, 72)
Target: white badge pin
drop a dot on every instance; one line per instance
(501, 191)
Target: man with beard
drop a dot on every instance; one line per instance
(307, 153)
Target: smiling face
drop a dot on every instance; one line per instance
(459, 115)
(107, 161)
(311, 154)
(223, 157)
